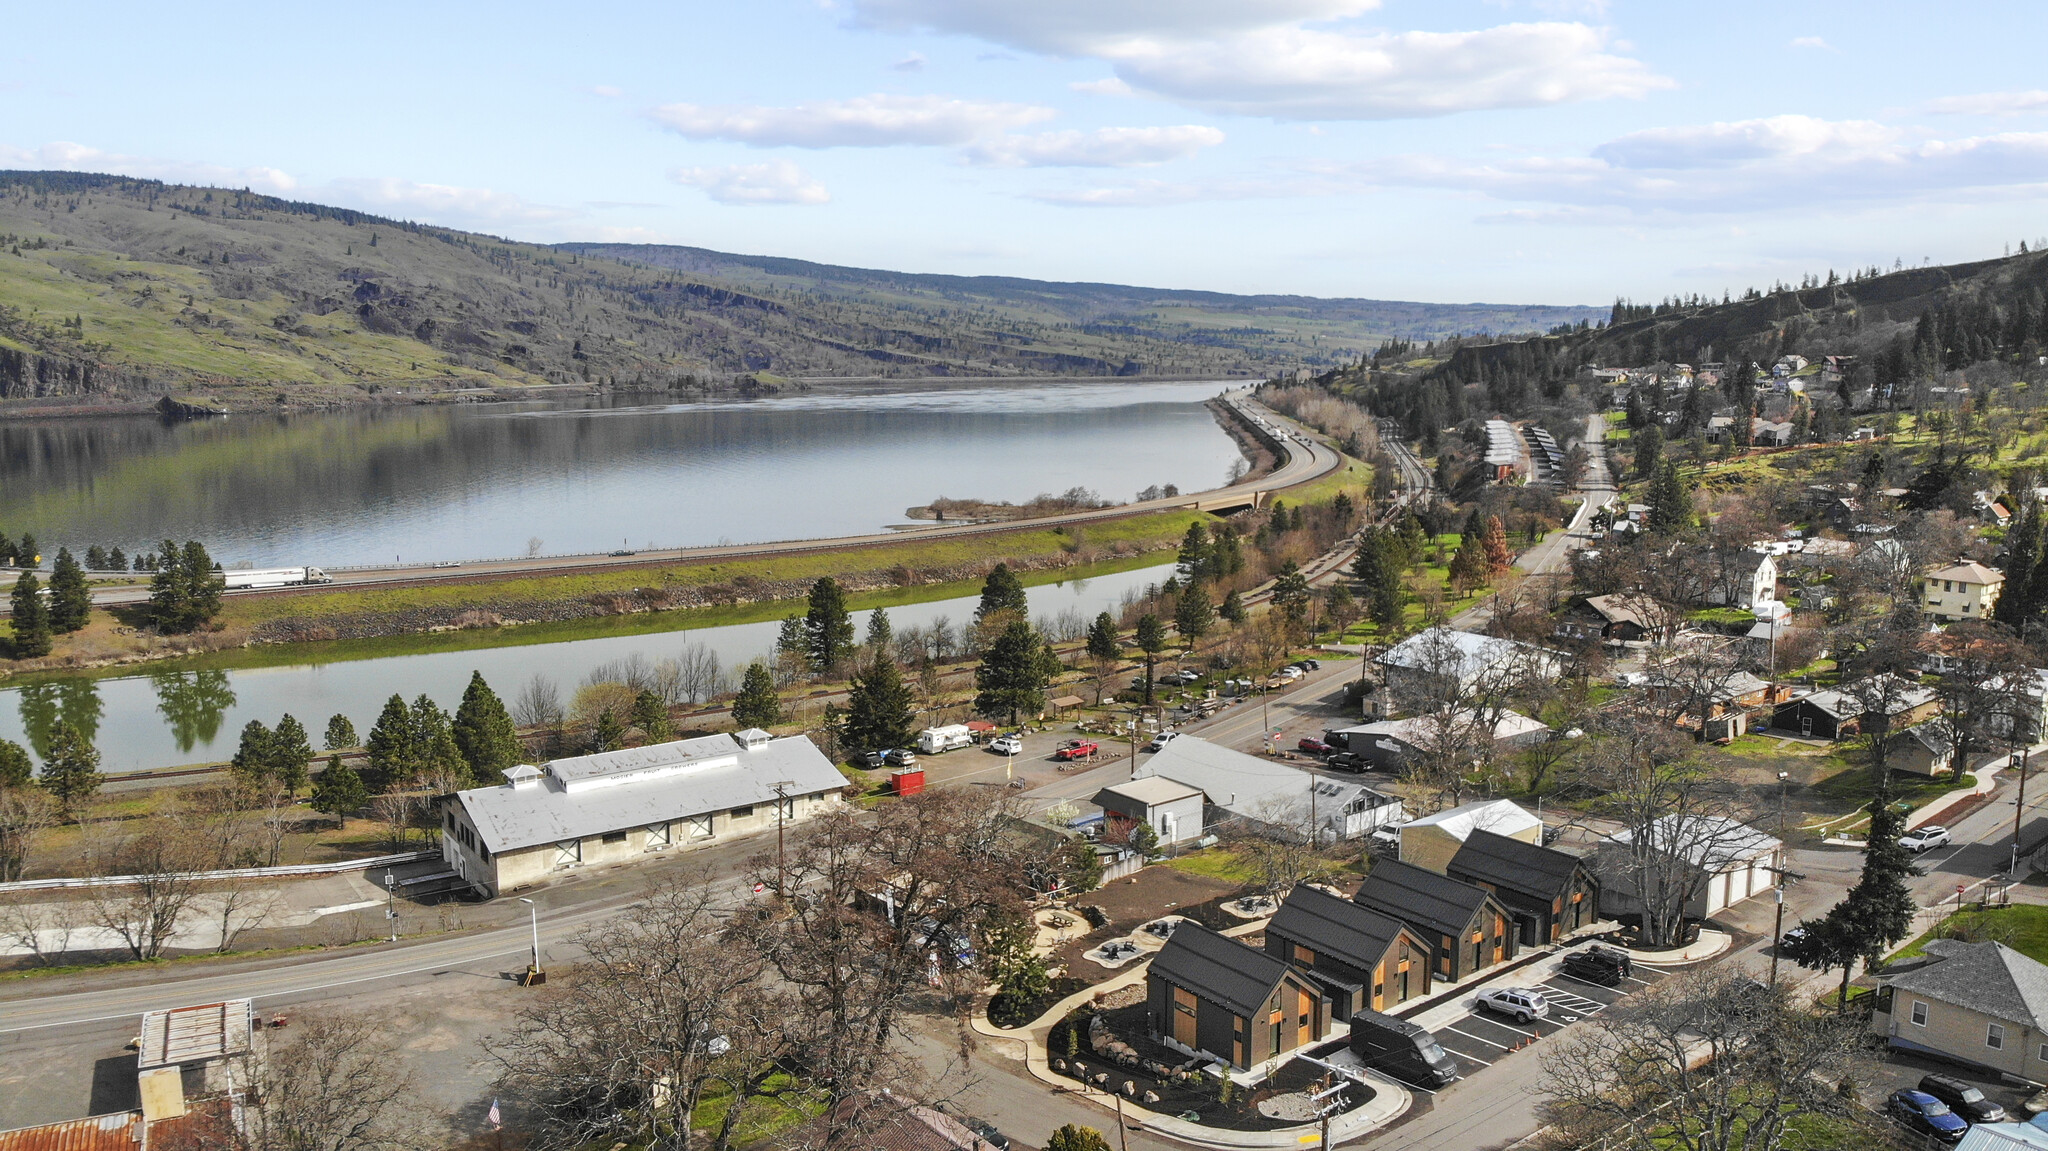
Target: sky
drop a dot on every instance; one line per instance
(1506, 151)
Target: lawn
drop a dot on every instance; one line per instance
(1214, 863)
(2022, 927)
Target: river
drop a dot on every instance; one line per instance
(490, 481)
(174, 718)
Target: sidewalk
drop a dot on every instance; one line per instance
(1389, 1102)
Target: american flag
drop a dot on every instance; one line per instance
(495, 1124)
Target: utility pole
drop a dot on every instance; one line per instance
(1783, 777)
(782, 787)
(1122, 1141)
(1778, 931)
(391, 903)
(2019, 807)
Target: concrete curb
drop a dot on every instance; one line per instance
(1390, 1099)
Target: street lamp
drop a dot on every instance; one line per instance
(2019, 805)
(1783, 778)
(534, 975)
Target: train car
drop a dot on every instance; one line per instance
(249, 579)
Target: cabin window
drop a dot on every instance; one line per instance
(1994, 1036)
(615, 837)
(746, 812)
(451, 821)
(1919, 1014)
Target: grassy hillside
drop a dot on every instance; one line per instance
(113, 287)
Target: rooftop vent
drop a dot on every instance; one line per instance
(754, 739)
(523, 776)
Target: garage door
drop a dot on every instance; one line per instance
(1717, 893)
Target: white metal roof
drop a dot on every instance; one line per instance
(1511, 725)
(1153, 790)
(1499, 816)
(595, 794)
(196, 1034)
(1247, 785)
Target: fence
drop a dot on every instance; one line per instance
(288, 872)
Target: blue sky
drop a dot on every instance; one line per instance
(1552, 151)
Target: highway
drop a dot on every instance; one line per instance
(1306, 459)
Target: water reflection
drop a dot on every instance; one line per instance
(193, 704)
(45, 705)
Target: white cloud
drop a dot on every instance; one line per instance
(862, 122)
(911, 63)
(1784, 162)
(1991, 104)
(1280, 58)
(444, 203)
(775, 182)
(1107, 86)
(65, 156)
(1102, 148)
(1812, 42)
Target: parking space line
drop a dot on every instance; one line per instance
(1488, 1019)
(1474, 1058)
(1477, 1038)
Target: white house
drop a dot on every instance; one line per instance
(624, 806)
(1172, 810)
(1442, 662)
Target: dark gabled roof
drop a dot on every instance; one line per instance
(1421, 898)
(1511, 865)
(1218, 968)
(1335, 926)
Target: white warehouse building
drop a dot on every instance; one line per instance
(621, 806)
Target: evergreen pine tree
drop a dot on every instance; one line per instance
(1193, 615)
(340, 733)
(880, 709)
(251, 763)
(31, 618)
(1197, 557)
(880, 631)
(484, 732)
(609, 734)
(290, 754)
(2015, 606)
(757, 705)
(16, 769)
(96, 558)
(71, 770)
(1291, 593)
(1468, 567)
(828, 626)
(1002, 593)
(1670, 504)
(443, 762)
(1011, 679)
(6, 551)
(650, 715)
(1649, 450)
(1232, 611)
(1151, 640)
(1102, 638)
(393, 753)
(27, 553)
(117, 560)
(70, 595)
(339, 791)
(203, 584)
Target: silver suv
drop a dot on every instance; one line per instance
(1522, 1003)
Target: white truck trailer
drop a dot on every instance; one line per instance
(934, 740)
(247, 579)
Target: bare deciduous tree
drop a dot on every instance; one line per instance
(162, 860)
(335, 1084)
(1708, 1060)
(25, 812)
(43, 930)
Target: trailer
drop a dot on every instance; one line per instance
(250, 579)
(934, 740)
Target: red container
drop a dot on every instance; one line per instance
(908, 782)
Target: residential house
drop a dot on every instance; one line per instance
(1251, 791)
(1730, 700)
(2009, 1136)
(1392, 744)
(1550, 893)
(1209, 995)
(1172, 810)
(2024, 707)
(1925, 749)
(1433, 840)
(1983, 1004)
(1607, 617)
(1770, 433)
(1741, 577)
(1362, 958)
(1467, 927)
(1443, 663)
(1719, 860)
(625, 806)
(1963, 590)
(1839, 713)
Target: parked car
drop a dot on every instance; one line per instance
(1076, 749)
(1962, 1098)
(1385, 840)
(1007, 745)
(1313, 746)
(900, 757)
(1183, 677)
(1160, 741)
(1521, 1003)
(875, 759)
(1794, 937)
(1919, 1112)
(1925, 838)
(1347, 761)
(1401, 1049)
(1602, 965)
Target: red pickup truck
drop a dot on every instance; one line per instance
(1076, 749)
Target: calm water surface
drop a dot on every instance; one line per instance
(195, 717)
(481, 482)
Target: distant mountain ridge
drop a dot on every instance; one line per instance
(120, 289)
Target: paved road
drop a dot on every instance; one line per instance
(1307, 458)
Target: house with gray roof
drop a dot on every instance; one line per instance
(1254, 792)
(1207, 994)
(1467, 928)
(624, 806)
(1982, 1004)
(1364, 960)
(1443, 663)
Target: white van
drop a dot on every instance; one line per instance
(934, 740)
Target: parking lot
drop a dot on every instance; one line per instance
(1477, 1038)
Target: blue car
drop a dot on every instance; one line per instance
(1920, 1112)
